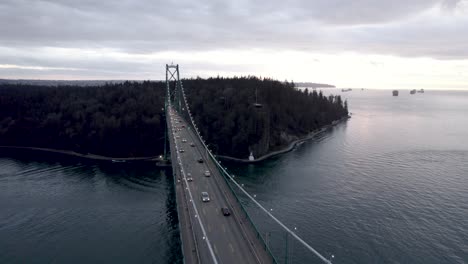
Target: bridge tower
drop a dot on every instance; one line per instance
(174, 91)
(173, 95)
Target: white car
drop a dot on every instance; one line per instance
(205, 197)
(207, 174)
(189, 177)
(184, 140)
(181, 150)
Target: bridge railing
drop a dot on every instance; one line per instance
(187, 114)
(231, 181)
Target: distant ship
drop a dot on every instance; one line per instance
(421, 91)
(413, 91)
(346, 90)
(395, 92)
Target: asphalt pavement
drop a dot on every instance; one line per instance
(218, 238)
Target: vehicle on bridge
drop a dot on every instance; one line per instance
(205, 197)
(207, 173)
(225, 211)
(182, 150)
(200, 160)
(189, 177)
(184, 140)
(192, 144)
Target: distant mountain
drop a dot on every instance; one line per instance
(314, 85)
(61, 82)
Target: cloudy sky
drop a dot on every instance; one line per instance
(359, 43)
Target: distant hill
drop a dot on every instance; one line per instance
(61, 82)
(313, 85)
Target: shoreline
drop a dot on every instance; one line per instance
(161, 163)
(89, 155)
(290, 147)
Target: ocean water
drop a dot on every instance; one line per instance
(390, 185)
(66, 211)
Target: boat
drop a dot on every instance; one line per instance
(346, 90)
(395, 92)
(118, 161)
(421, 91)
(413, 91)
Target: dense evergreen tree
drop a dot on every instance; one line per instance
(127, 119)
(116, 120)
(225, 110)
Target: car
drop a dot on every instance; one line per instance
(181, 150)
(183, 126)
(177, 136)
(207, 173)
(200, 160)
(192, 144)
(225, 211)
(189, 177)
(205, 197)
(184, 140)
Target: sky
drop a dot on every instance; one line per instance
(361, 43)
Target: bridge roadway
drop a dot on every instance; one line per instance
(232, 238)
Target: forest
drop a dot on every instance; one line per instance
(116, 120)
(236, 115)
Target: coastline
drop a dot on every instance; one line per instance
(161, 163)
(290, 147)
(87, 156)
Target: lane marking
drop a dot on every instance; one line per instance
(232, 248)
(224, 228)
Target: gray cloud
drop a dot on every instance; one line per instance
(397, 27)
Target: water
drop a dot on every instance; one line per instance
(388, 186)
(72, 212)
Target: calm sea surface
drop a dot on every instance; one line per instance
(388, 186)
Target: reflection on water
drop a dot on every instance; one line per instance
(390, 185)
(70, 210)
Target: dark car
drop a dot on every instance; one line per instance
(225, 211)
(200, 160)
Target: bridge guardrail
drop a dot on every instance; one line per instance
(226, 179)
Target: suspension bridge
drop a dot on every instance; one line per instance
(214, 226)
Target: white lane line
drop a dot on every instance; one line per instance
(224, 228)
(205, 236)
(232, 248)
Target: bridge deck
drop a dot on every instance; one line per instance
(232, 238)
